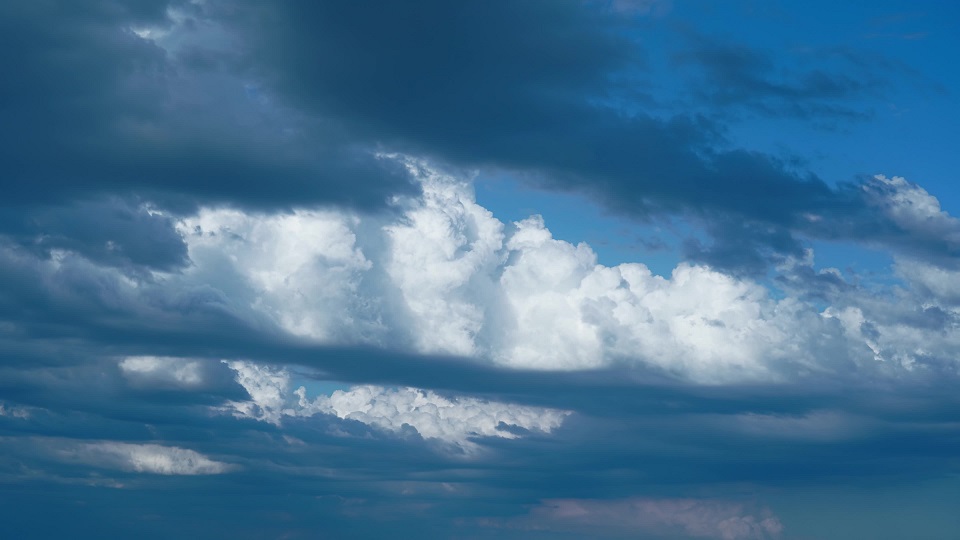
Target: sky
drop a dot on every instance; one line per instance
(479, 269)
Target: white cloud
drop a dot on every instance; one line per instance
(573, 313)
(913, 208)
(302, 269)
(452, 420)
(448, 277)
(442, 257)
(268, 388)
(147, 458)
(942, 285)
(162, 370)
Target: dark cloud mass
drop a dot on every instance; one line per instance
(95, 109)
(91, 108)
(247, 289)
(521, 87)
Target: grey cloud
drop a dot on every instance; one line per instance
(280, 106)
(95, 109)
(109, 231)
(522, 88)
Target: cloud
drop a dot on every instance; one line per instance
(161, 115)
(919, 227)
(556, 118)
(146, 458)
(452, 420)
(207, 203)
(694, 518)
(940, 285)
(439, 274)
(169, 378)
(107, 230)
(290, 266)
(14, 411)
(458, 281)
(442, 257)
(267, 388)
(314, 124)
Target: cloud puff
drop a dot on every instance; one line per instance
(913, 208)
(446, 276)
(452, 420)
(449, 419)
(440, 274)
(146, 458)
(935, 283)
(163, 370)
(302, 268)
(443, 256)
(267, 387)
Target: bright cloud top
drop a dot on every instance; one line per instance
(448, 277)
(432, 415)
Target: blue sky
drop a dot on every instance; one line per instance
(548, 269)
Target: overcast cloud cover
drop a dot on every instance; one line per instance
(310, 269)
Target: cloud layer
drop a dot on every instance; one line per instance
(247, 288)
(445, 276)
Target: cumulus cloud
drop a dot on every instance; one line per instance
(939, 285)
(472, 287)
(521, 298)
(442, 275)
(912, 207)
(443, 257)
(267, 387)
(717, 519)
(146, 458)
(453, 420)
(446, 276)
(301, 268)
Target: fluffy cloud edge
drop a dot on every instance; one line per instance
(453, 421)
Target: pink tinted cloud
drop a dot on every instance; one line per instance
(698, 518)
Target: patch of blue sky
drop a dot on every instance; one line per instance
(907, 50)
(572, 218)
(316, 386)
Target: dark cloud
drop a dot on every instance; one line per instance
(639, 441)
(275, 106)
(91, 108)
(107, 231)
(530, 89)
